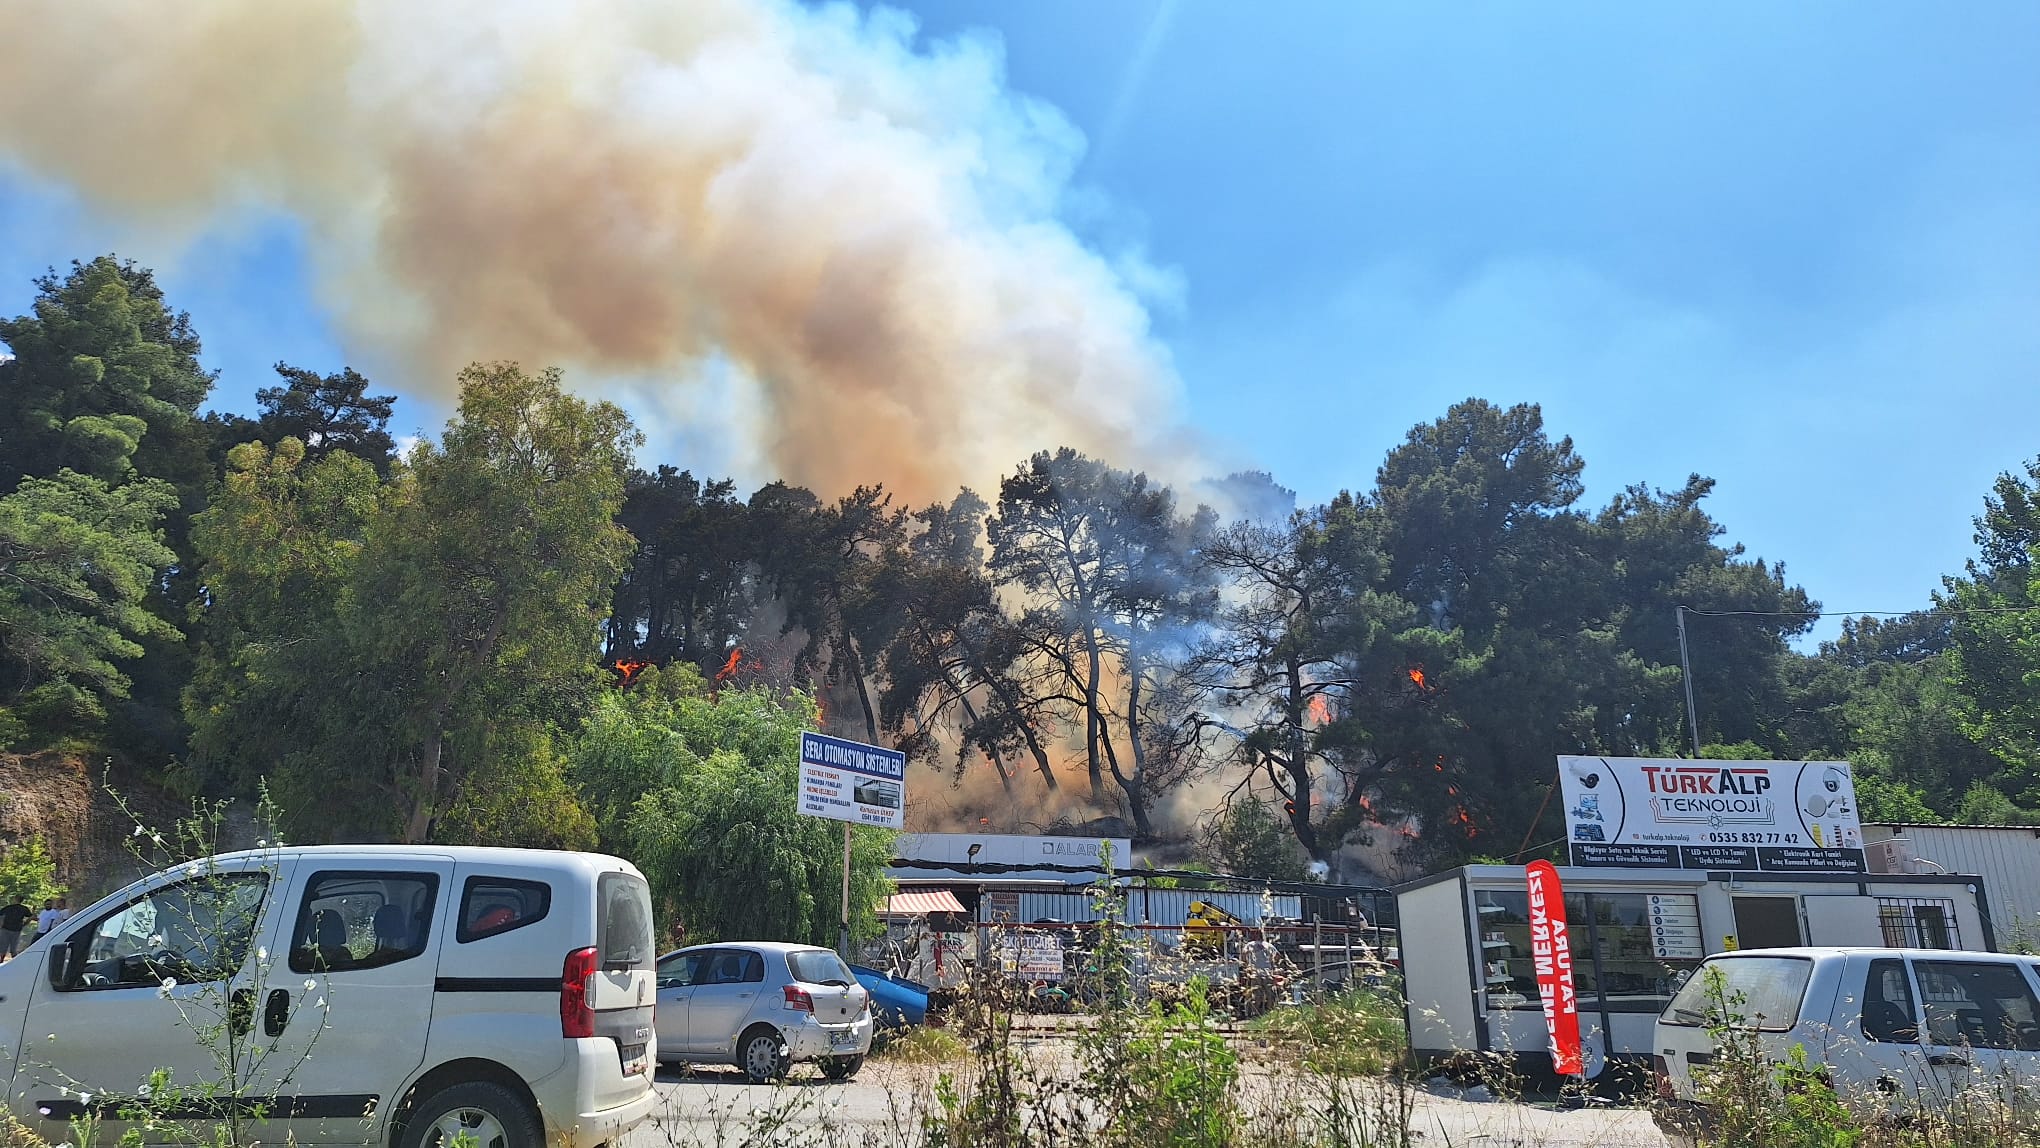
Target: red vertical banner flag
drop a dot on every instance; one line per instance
(1551, 956)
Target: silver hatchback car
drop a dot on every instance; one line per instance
(761, 1005)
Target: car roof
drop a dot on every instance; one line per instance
(780, 947)
(1813, 951)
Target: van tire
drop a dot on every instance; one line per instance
(496, 1115)
(841, 1067)
(763, 1055)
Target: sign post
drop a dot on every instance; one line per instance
(1551, 956)
(1714, 816)
(856, 784)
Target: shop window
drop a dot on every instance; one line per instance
(1625, 957)
(1918, 923)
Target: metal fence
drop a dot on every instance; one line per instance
(1079, 966)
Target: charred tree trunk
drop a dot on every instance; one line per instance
(848, 649)
(1094, 722)
(1136, 786)
(1299, 762)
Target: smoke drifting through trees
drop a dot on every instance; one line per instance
(422, 646)
(863, 231)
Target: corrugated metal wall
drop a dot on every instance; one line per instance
(2008, 860)
(1152, 906)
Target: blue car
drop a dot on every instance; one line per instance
(897, 1003)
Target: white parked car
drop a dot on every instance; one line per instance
(406, 995)
(761, 1005)
(1895, 1030)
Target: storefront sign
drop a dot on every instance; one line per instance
(1551, 957)
(1717, 816)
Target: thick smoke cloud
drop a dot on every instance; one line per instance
(863, 233)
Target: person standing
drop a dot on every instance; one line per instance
(13, 919)
(51, 916)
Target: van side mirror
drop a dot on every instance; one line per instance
(60, 964)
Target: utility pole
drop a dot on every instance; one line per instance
(1686, 675)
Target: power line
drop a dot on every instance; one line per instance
(1860, 613)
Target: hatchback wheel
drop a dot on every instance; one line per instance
(841, 1067)
(763, 1054)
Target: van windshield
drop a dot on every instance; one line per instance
(1763, 992)
(623, 925)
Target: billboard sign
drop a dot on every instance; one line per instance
(1715, 816)
(851, 781)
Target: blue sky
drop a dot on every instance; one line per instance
(1794, 247)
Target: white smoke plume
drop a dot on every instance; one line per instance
(862, 227)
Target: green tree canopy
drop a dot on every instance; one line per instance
(77, 559)
(699, 791)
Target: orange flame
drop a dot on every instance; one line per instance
(629, 671)
(730, 667)
(1417, 675)
(1320, 712)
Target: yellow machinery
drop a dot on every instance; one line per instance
(1204, 929)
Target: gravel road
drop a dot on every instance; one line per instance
(717, 1107)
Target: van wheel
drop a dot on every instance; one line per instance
(763, 1054)
(488, 1115)
(841, 1067)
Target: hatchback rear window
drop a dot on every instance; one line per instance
(818, 967)
(1763, 992)
(623, 923)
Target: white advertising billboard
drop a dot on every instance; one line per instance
(851, 781)
(1718, 816)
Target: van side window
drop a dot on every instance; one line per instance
(490, 906)
(362, 920)
(197, 930)
(1983, 1005)
(1889, 1015)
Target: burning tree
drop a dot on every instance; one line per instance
(1118, 573)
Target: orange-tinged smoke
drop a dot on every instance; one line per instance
(1320, 712)
(806, 231)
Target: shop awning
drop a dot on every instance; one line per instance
(916, 904)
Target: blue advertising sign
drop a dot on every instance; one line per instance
(851, 781)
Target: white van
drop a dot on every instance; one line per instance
(1895, 1030)
(404, 995)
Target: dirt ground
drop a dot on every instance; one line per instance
(712, 1106)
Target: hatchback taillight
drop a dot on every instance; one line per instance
(577, 985)
(1663, 1072)
(798, 999)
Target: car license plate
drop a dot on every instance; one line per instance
(844, 1039)
(634, 1062)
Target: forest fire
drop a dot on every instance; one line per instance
(627, 672)
(1320, 710)
(1417, 675)
(730, 667)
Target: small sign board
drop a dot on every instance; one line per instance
(1715, 816)
(851, 781)
(1032, 957)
